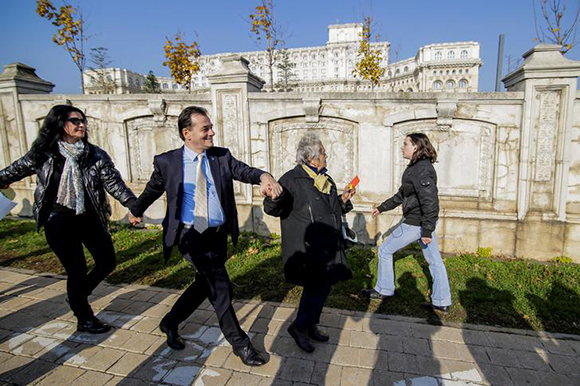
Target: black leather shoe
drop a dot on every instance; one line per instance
(314, 333)
(301, 338)
(93, 326)
(372, 294)
(250, 357)
(173, 339)
(435, 308)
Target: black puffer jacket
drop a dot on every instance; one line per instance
(99, 175)
(418, 194)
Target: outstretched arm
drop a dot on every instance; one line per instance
(389, 204)
(153, 190)
(19, 169)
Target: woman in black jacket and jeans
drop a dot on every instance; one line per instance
(418, 195)
(71, 203)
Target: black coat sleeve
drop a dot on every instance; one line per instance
(153, 190)
(283, 205)
(17, 170)
(113, 182)
(392, 202)
(243, 172)
(425, 186)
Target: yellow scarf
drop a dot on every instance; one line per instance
(321, 181)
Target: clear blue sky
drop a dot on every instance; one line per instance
(134, 31)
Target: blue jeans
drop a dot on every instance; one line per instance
(402, 236)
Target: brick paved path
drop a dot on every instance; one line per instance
(39, 345)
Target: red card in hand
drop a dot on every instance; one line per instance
(353, 183)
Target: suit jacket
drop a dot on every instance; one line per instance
(168, 177)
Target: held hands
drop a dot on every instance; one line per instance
(426, 240)
(375, 212)
(269, 186)
(134, 220)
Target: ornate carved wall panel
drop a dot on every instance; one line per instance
(466, 155)
(547, 128)
(339, 137)
(230, 126)
(147, 139)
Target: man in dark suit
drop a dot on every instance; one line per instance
(201, 211)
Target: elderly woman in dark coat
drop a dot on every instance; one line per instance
(310, 211)
(72, 176)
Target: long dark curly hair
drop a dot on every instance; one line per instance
(425, 149)
(51, 132)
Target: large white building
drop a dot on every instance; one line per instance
(449, 67)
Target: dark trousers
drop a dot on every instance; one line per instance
(66, 234)
(208, 253)
(313, 298)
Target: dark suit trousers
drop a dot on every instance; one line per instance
(208, 253)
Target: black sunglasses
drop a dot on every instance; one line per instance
(77, 121)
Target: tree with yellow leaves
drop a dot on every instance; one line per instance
(265, 27)
(71, 30)
(182, 59)
(368, 66)
(557, 25)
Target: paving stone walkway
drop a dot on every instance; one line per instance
(39, 345)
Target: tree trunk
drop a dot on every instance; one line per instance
(82, 83)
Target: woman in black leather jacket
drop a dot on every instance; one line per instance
(72, 176)
(418, 195)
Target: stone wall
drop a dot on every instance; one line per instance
(509, 163)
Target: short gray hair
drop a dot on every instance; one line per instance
(309, 147)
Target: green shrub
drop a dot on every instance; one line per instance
(562, 260)
(484, 252)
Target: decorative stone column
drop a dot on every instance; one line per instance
(230, 86)
(548, 81)
(15, 80)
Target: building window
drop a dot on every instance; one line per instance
(463, 54)
(467, 71)
(463, 83)
(397, 71)
(109, 78)
(451, 55)
(460, 71)
(175, 87)
(165, 86)
(450, 84)
(447, 72)
(130, 81)
(453, 72)
(437, 85)
(438, 55)
(390, 73)
(137, 82)
(406, 69)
